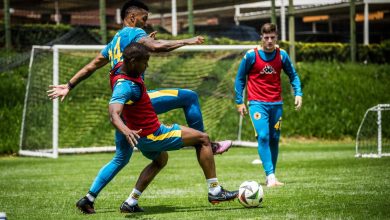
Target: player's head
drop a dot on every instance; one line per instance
(135, 59)
(269, 36)
(134, 13)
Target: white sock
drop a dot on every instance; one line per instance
(271, 177)
(90, 197)
(133, 197)
(214, 187)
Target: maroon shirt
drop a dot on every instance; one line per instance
(264, 79)
(140, 114)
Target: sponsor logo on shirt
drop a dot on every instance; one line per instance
(268, 69)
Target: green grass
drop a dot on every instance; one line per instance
(323, 181)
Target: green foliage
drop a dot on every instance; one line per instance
(12, 92)
(26, 35)
(336, 96)
(323, 181)
(340, 52)
(23, 36)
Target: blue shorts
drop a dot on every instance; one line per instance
(166, 138)
(164, 100)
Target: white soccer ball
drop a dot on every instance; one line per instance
(250, 194)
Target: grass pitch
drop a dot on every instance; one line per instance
(323, 181)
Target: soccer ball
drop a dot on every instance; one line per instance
(250, 194)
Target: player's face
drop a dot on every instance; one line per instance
(140, 18)
(140, 66)
(269, 41)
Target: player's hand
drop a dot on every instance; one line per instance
(195, 40)
(132, 137)
(242, 109)
(58, 91)
(153, 35)
(298, 102)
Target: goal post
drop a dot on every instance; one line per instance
(23, 151)
(373, 135)
(80, 124)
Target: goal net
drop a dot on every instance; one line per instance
(80, 123)
(373, 136)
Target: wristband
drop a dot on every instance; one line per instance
(70, 85)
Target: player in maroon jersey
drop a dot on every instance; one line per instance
(262, 67)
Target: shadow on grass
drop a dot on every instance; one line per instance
(149, 210)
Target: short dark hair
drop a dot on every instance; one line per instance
(130, 4)
(268, 28)
(135, 51)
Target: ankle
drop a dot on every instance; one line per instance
(132, 200)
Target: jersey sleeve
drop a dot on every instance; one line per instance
(125, 91)
(243, 70)
(104, 52)
(289, 69)
(139, 34)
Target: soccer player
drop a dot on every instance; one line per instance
(262, 67)
(134, 15)
(132, 114)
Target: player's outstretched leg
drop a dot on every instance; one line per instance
(164, 100)
(107, 173)
(201, 141)
(144, 179)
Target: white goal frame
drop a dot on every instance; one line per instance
(378, 108)
(55, 151)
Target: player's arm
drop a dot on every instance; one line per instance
(85, 72)
(115, 110)
(289, 69)
(240, 82)
(168, 45)
(124, 92)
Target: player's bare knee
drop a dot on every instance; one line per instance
(162, 160)
(204, 139)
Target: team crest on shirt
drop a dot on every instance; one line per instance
(278, 125)
(268, 69)
(257, 115)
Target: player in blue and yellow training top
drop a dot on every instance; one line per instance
(134, 15)
(262, 67)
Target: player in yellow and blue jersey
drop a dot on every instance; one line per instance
(134, 15)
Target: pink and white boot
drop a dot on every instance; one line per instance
(221, 147)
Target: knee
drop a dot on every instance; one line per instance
(123, 153)
(189, 95)
(204, 138)
(263, 137)
(275, 137)
(162, 160)
(121, 160)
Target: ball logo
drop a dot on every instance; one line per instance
(253, 194)
(257, 115)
